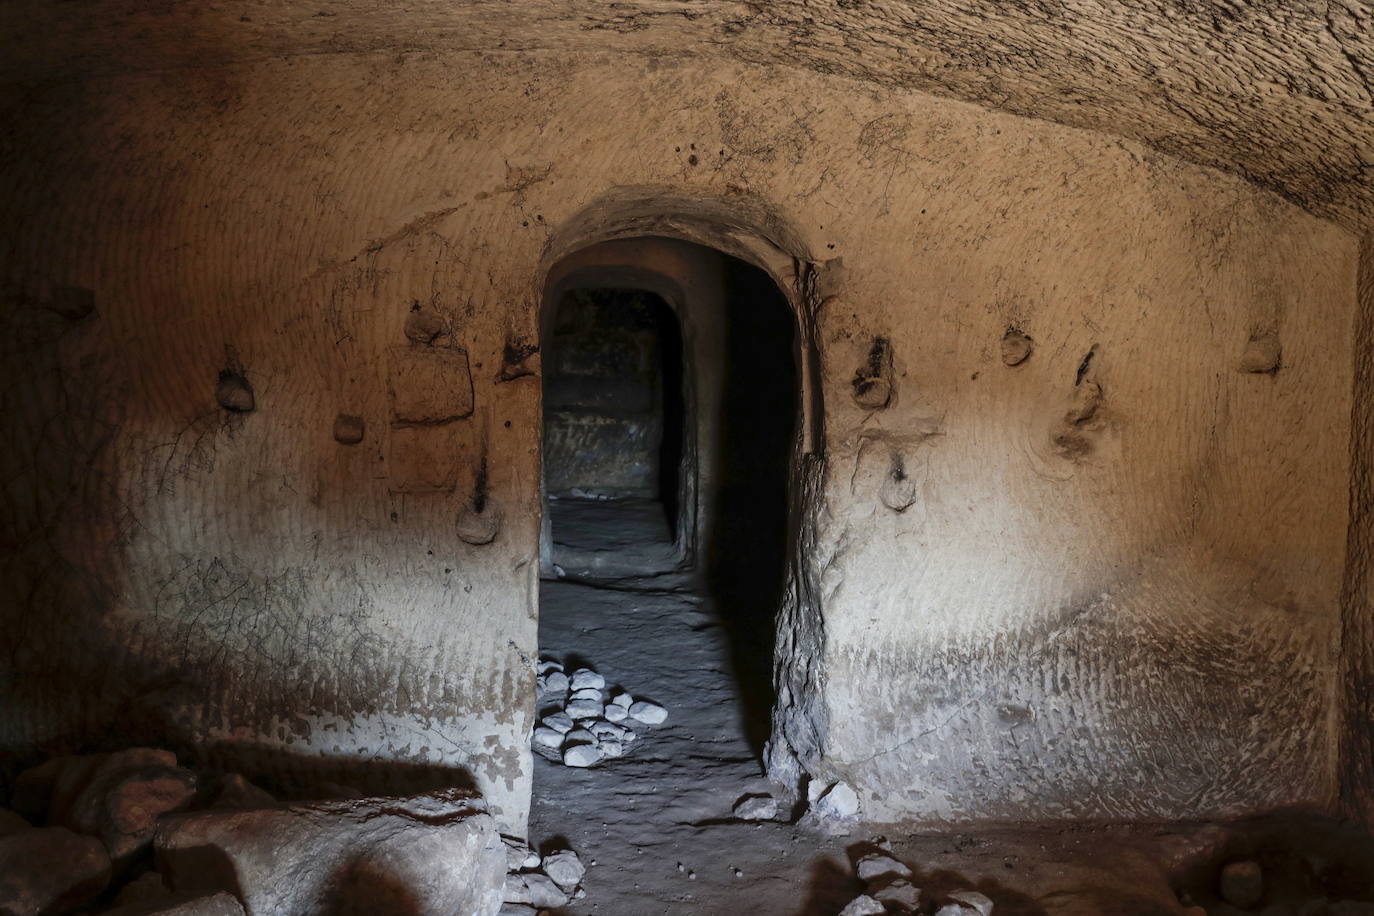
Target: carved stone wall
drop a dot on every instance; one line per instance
(1080, 470)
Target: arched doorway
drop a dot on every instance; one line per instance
(673, 408)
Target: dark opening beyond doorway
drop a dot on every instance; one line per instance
(747, 557)
(669, 435)
(613, 430)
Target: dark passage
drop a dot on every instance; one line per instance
(637, 420)
(613, 431)
(747, 557)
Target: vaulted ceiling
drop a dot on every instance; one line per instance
(1278, 91)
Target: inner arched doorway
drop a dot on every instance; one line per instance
(672, 413)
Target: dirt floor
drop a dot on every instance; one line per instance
(656, 831)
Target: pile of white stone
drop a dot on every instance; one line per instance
(888, 889)
(584, 723)
(536, 883)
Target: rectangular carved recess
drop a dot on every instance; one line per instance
(429, 385)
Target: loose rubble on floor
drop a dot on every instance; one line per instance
(584, 722)
(888, 888)
(133, 833)
(535, 883)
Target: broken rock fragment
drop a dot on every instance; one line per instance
(897, 892)
(565, 868)
(50, 870)
(648, 713)
(864, 905)
(519, 855)
(973, 901)
(543, 891)
(582, 755)
(585, 709)
(757, 808)
(548, 737)
(839, 802)
(220, 904)
(560, 722)
(875, 866)
(585, 677)
(425, 855)
(121, 805)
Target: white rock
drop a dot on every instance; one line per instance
(580, 736)
(584, 709)
(615, 712)
(863, 905)
(840, 802)
(586, 693)
(623, 700)
(518, 854)
(543, 892)
(648, 713)
(898, 892)
(516, 891)
(604, 730)
(560, 722)
(612, 748)
(876, 865)
(548, 737)
(565, 868)
(586, 677)
(582, 755)
(555, 682)
(756, 808)
(549, 664)
(980, 902)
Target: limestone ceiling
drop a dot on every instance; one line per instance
(1279, 91)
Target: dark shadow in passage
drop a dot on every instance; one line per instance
(672, 457)
(831, 887)
(746, 561)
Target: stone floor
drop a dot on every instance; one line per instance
(655, 826)
(610, 538)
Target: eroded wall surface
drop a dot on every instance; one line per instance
(1102, 582)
